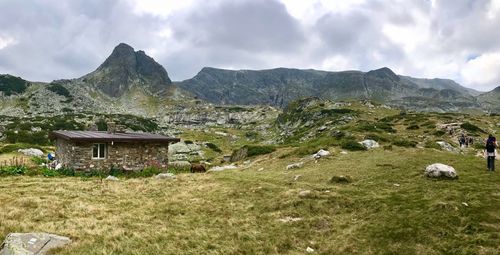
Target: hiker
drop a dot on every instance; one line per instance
(461, 141)
(490, 151)
(466, 142)
(471, 141)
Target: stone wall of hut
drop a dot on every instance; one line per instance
(125, 156)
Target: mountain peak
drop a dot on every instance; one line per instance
(384, 72)
(497, 89)
(126, 67)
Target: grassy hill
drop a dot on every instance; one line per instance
(388, 208)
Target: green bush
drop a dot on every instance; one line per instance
(439, 133)
(254, 150)
(12, 85)
(471, 127)
(13, 170)
(352, 146)
(432, 145)
(404, 143)
(47, 172)
(59, 89)
(376, 137)
(213, 147)
(413, 127)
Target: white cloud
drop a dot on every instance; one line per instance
(482, 71)
(6, 41)
(415, 37)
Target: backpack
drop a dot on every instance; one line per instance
(490, 145)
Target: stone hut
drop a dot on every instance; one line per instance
(86, 150)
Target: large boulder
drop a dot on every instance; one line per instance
(31, 152)
(370, 144)
(31, 243)
(439, 170)
(179, 148)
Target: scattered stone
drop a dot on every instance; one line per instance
(465, 204)
(440, 170)
(220, 133)
(321, 153)
(296, 177)
(322, 128)
(58, 166)
(111, 178)
(31, 152)
(32, 243)
(343, 152)
(222, 168)
(309, 250)
(295, 165)
(396, 185)
(341, 179)
(260, 169)
(305, 193)
(370, 144)
(446, 146)
(289, 219)
(168, 176)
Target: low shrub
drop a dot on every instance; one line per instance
(59, 89)
(404, 143)
(47, 172)
(13, 170)
(471, 127)
(439, 133)
(432, 145)
(352, 146)
(255, 150)
(413, 127)
(213, 147)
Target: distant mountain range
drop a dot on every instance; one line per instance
(130, 79)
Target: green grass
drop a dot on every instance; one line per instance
(239, 212)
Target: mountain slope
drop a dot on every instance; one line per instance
(491, 100)
(279, 86)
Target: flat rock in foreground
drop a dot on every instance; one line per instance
(31, 243)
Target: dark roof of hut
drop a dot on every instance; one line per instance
(104, 136)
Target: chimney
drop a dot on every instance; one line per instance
(111, 127)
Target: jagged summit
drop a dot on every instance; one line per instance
(125, 68)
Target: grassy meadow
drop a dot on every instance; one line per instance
(388, 208)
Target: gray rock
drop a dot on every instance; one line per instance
(446, 146)
(31, 243)
(111, 178)
(321, 154)
(370, 144)
(180, 165)
(178, 148)
(438, 170)
(31, 152)
(305, 193)
(168, 176)
(295, 165)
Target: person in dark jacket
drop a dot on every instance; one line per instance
(490, 151)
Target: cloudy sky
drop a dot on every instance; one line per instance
(44, 40)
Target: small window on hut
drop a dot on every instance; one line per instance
(99, 151)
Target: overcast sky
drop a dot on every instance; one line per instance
(44, 40)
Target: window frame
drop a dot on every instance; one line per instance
(104, 150)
